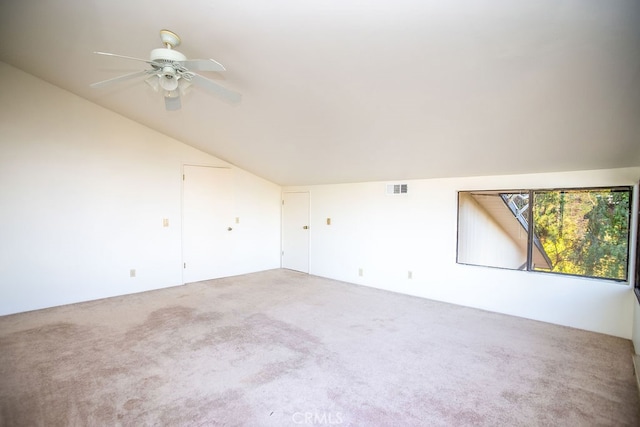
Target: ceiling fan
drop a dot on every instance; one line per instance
(171, 72)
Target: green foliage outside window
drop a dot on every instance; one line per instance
(584, 232)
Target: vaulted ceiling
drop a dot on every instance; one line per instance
(362, 90)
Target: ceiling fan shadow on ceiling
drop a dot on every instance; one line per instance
(172, 73)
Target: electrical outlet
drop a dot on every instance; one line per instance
(237, 220)
(410, 275)
(328, 221)
(165, 222)
(360, 273)
(132, 272)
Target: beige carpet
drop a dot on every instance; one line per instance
(283, 348)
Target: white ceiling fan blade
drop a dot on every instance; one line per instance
(155, 64)
(203, 65)
(119, 79)
(217, 89)
(172, 103)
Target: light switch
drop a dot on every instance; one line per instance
(165, 222)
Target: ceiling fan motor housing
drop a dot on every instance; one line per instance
(166, 55)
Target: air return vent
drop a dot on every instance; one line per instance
(397, 189)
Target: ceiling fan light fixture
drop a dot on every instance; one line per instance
(168, 79)
(154, 82)
(168, 83)
(184, 86)
(172, 94)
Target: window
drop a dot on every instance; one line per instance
(582, 232)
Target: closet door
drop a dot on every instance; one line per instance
(295, 231)
(207, 213)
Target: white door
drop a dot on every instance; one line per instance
(207, 211)
(295, 231)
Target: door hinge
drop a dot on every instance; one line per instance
(184, 265)
(283, 202)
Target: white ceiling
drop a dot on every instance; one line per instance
(363, 90)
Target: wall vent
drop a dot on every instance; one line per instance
(397, 189)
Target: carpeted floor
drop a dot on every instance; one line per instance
(283, 348)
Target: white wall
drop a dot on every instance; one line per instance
(388, 236)
(83, 194)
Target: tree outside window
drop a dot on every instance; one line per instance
(583, 232)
